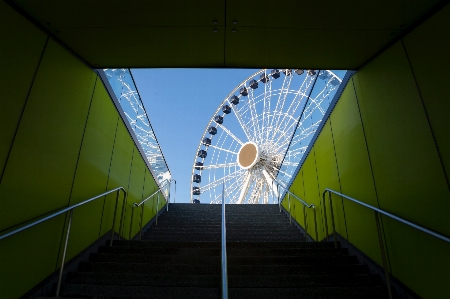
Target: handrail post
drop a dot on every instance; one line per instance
(325, 213)
(168, 197)
(142, 221)
(332, 220)
(157, 209)
(131, 222)
(383, 254)
(114, 218)
(315, 224)
(305, 222)
(224, 250)
(290, 215)
(175, 190)
(278, 195)
(61, 270)
(122, 218)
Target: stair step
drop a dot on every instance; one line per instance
(307, 259)
(145, 279)
(151, 244)
(367, 292)
(267, 257)
(157, 251)
(213, 269)
(138, 292)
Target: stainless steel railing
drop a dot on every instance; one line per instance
(224, 250)
(70, 209)
(163, 185)
(377, 212)
(305, 205)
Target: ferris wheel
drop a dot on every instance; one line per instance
(258, 134)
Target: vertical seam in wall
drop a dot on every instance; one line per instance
(318, 188)
(426, 115)
(373, 177)
(109, 174)
(304, 194)
(225, 33)
(23, 108)
(129, 182)
(74, 175)
(82, 140)
(339, 177)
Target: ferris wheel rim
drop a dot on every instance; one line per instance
(226, 100)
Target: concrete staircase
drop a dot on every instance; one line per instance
(180, 258)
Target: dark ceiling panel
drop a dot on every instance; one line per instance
(147, 46)
(302, 48)
(119, 13)
(179, 33)
(332, 14)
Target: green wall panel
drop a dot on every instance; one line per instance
(427, 48)
(46, 148)
(419, 261)
(149, 188)
(298, 189)
(20, 51)
(355, 172)
(405, 163)
(312, 196)
(92, 170)
(119, 174)
(135, 190)
(328, 177)
(28, 257)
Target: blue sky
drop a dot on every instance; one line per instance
(180, 103)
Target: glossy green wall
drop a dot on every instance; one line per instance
(62, 141)
(386, 143)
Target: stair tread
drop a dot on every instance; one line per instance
(267, 257)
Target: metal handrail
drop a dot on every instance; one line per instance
(157, 192)
(379, 231)
(224, 249)
(305, 205)
(70, 209)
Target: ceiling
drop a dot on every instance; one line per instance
(325, 34)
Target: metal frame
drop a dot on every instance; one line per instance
(380, 234)
(70, 209)
(142, 203)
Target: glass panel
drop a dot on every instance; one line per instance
(126, 92)
(325, 87)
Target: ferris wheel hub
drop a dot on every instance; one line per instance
(248, 155)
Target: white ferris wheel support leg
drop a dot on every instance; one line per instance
(270, 182)
(244, 188)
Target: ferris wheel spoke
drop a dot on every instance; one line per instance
(253, 115)
(214, 166)
(221, 180)
(266, 113)
(241, 122)
(233, 189)
(300, 95)
(230, 134)
(222, 149)
(283, 96)
(302, 135)
(244, 189)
